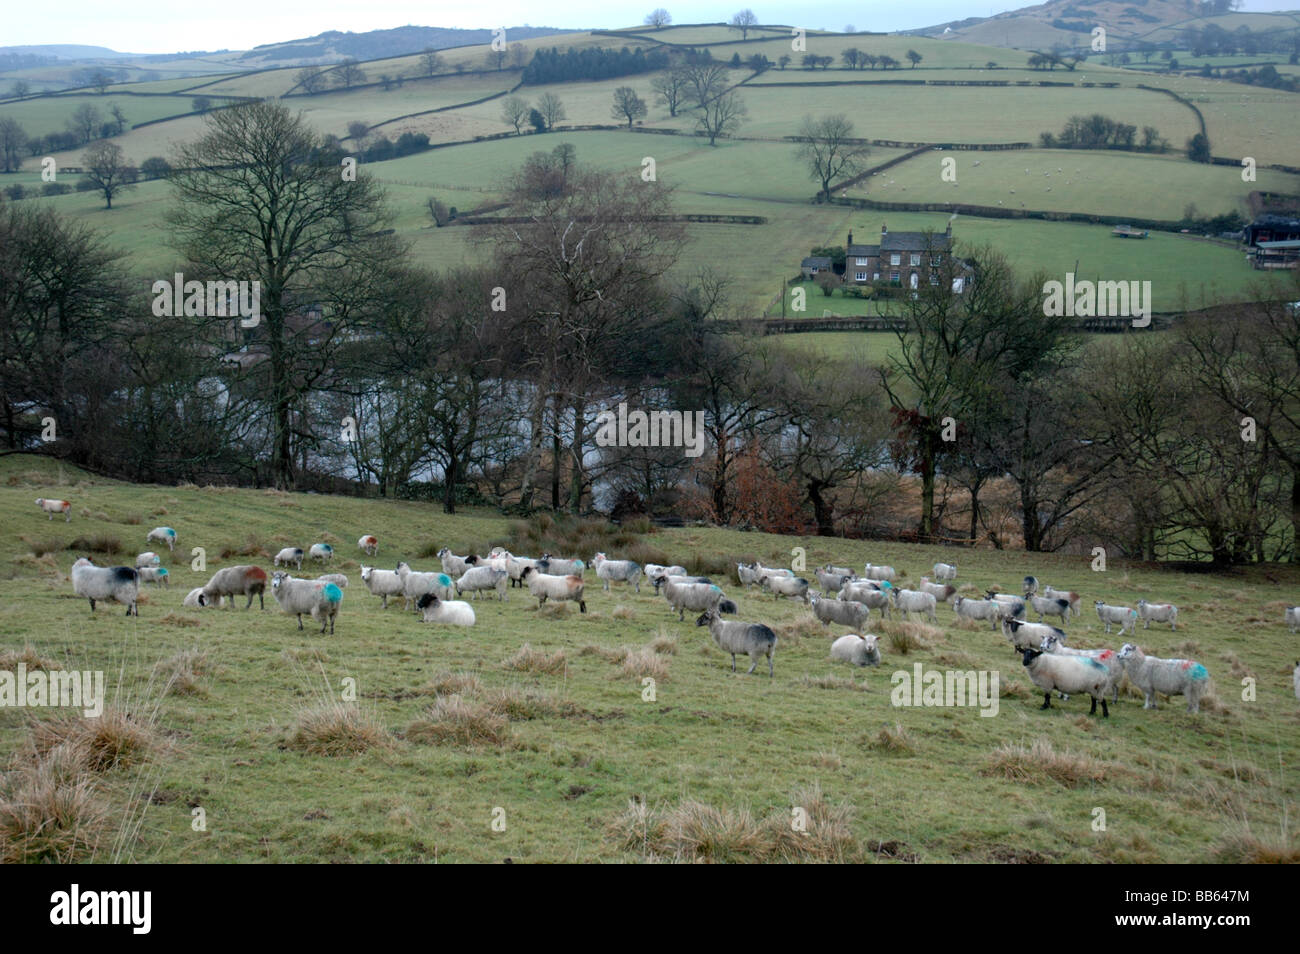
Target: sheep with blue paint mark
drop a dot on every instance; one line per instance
(1173, 677)
(321, 552)
(1068, 675)
(697, 597)
(289, 555)
(164, 535)
(416, 584)
(320, 599)
(121, 583)
(453, 565)
(157, 575)
(609, 570)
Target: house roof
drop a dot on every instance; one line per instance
(1273, 220)
(1289, 243)
(816, 261)
(913, 241)
(863, 251)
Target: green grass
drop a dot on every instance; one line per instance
(38, 117)
(579, 744)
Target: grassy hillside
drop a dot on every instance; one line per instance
(581, 739)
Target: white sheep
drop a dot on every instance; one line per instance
(321, 552)
(1055, 643)
(369, 544)
(196, 599)
(1126, 617)
(624, 570)
(879, 572)
(382, 583)
(1292, 618)
(415, 585)
(1024, 635)
(747, 574)
(940, 591)
(856, 650)
(749, 639)
(914, 601)
(792, 586)
(289, 555)
(453, 565)
(1158, 612)
(546, 586)
(321, 600)
(845, 612)
(697, 597)
(831, 579)
(452, 612)
(241, 580)
(156, 575)
(515, 566)
(1013, 607)
(1031, 586)
(1068, 675)
(148, 558)
(121, 583)
(479, 578)
(869, 596)
(555, 567)
(1070, 596)
(163, 535)
(990, 610)
(338, 579)
(770, 571)
(943, 572)
(56, 506)
(1173, 677)
(1050, 606)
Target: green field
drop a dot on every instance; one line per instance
(948, 784)
(48, 114)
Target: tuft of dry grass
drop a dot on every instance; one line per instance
(527, 659)
(96, 543)
(622, 612)
(832, 682)
(1039, 761)
(304, 655)
(792, 633)
(452, 720)
(664, 643)
(175, 619)
(28, 656)
(182, 673)
(42, 548)
(553, 611)
(645, 662)
(520, 705)
(115, 738)
(50, 810)
(251, 547)
(894, 739)
(336, 729)
(134, 519)
(451, 683)
(905, 637)
(1240, 844)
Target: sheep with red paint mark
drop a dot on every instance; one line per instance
(240, 580)
(56, 506)
(369, 543)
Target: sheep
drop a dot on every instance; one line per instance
(121, 583)
(369, 544)
(515, 566)
(747, 574)
(940, 591)
(338, 579)
(415, 585)
(478, 578)
(624, 570)
(241, 580)
(752, 639)
(56, 506)
(1127, 618)
(320, 599)
(1055, 643)
(163, 535)
(1050, 606)
(690, 596)
(770, 570)
(196, 598)
(868, 596)
(856, 650)
(382, 583)
(1031, 586)
(156, 575)
(831, 579)
(1024, 635)
(148, 558)
(451, 612)
(1159, 612)
(289, 555)
(653, 572)
(1068, 674)
(978, 610)
(546, 586)
(1069, 595)
(1173, 677)
(844, 612)
(793, 586)
(1013, 607)
(550, 565)
(914, 601)
(879, 572)
(1292, 618)
(453, 565)
(321, 552)
(943, 572)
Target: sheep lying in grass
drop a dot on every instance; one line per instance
(1055, 643)
(1050, 606)
(1292, 618)
(164, 535)
(156, 575)
(289, 555)
(1126, 617)
(148, 558)
(737, 638)
(382, 583)
(321, 600)
(241, 580)
(415, 585)
(943, 572)
(624, 570)
(479, 578)
(795, 587)
(121, 583)
(856, 650)
(554, 567)
(546, 586)
(1173, 677)
(1159, 613)
(879, 572)
(1024, 635)
(369, 544)
(1068, 674)
(844, 612)
(195, 598)
(914, 601)
(451, 612)
(990, 610)
(338, 579)
(321, 552)
(56, 506)
(453, 565)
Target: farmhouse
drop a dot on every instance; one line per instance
(813, 264)
(1270, 255)
(901, 258)
(1272, 228)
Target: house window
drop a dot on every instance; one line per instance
(861, 261)
(896, 259)
(936, 261)
(893, 277)
(875, 276)
(916, 259)
(859, 276)
(914, 277)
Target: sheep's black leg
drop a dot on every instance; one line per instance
(1093, 710)
(1104, 711)
(769, 666)
(1047, 701)
(261, 601)
(753, 666)
(582, 606)
(92, 606)
(300, 621)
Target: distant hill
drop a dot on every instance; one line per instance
(66, 51)
(376, 44)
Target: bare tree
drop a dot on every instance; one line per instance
(518, 56)
(310, 79)
(706, 80)
(430, 62)
(12, 140)
(201, 104)
(658, 18)
(101, 81)
(722, 115)
(495, 59)
(744, 21)
(514, 110)
(829, 150)
(551, 108)
(671, 87)
(349, 73)
(85, 122)
(627, 105)
(21, 88)
(119, 119)
(107, 168)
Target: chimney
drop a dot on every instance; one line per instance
(884, 229)
(850, 238)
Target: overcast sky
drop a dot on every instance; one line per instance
(164, 26)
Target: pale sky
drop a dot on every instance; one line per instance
(164, 26)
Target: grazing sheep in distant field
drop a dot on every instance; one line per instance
(870, 597)
(1024, 635)
(844, 612)
(338, 579)
(121, 583)
(830, 580)
(1050, 606)
(940, 591)
(737, 638)
(163, 535)
(148, 558)
(1292, 618)
(321, 551)
(453, 565)
(546, 586)
(747, 574)
(56, 506)
(156, 575)
(369, 544)
(943, 572)
(914, 601)
(696, 597)
(1068, 674)
(479, 578)
(879, 572)
(318, 598)
(415, 585)
(1127, 618)
(382, 583)
(1158, 612)
(242, 580)
(856, 650)
(978, 610)
(1068, 595)
(1031, 586)
(1173, 677)
(195, 598)
(793, 586)
(452, 612)
(624, 570)
(1055, 643)
(289, 555)
(550, 566)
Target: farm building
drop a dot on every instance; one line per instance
(1270, 255)
(901, 258)
(813, 264)
(1272, 228)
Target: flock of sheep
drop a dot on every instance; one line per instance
(1050, 662)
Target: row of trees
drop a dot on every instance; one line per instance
(1097, 131)
(86, 123)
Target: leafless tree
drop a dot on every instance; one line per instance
(310, 79)
(627, 105)
(658, 18)
(514, 110)
(671, 88)
(829, 150)
(430, 62)
(551, 108)
(744, 21)
(722, 115)
(106, 166)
